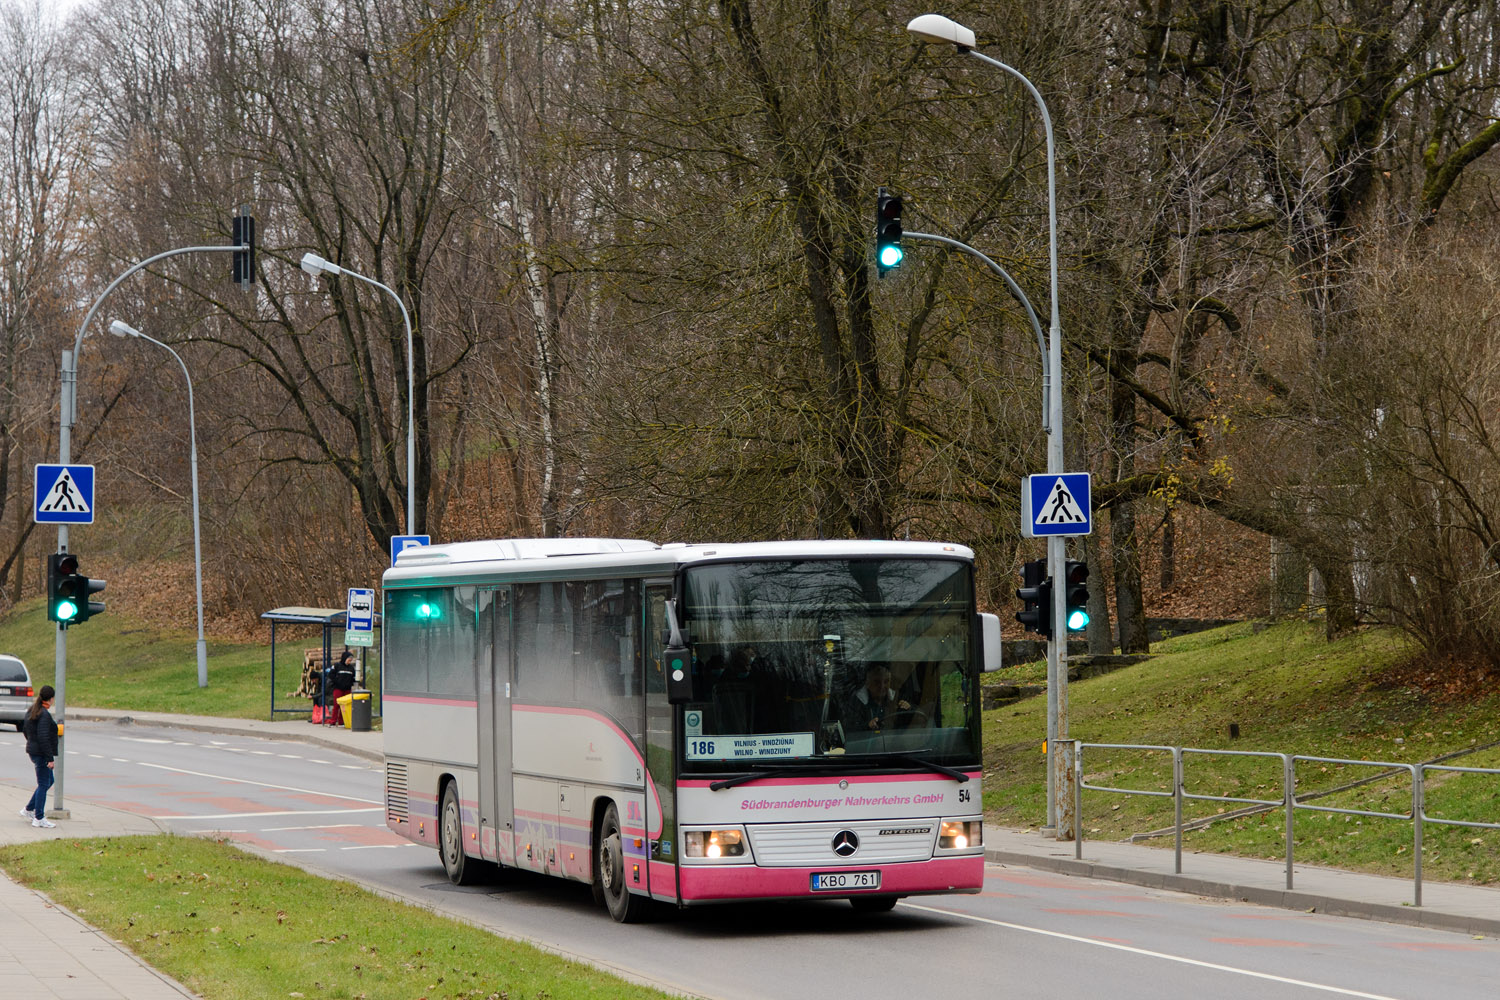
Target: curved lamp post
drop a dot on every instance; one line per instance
(945, 30)
(316, 266)
(120, 329)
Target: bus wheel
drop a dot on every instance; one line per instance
(609, 872)
(872, 904)
(461, 870)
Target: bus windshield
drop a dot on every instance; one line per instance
(818, 660)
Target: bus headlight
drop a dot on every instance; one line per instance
(955, 835)
(713, 844)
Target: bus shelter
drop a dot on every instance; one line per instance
(331, 623)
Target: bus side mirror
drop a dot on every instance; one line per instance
(990, 637)
(680, 686)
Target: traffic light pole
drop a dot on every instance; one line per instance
(1060, 773)
(68, 413)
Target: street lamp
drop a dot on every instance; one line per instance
(120, 329)
(944, 30)
(315, 266)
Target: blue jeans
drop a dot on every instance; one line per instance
(37, 804)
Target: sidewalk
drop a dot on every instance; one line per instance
(48, 953)
(1445, 905)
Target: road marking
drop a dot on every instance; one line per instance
(298, 850)
(290, 756)
(142, 739)
(356, 767)
(263, 784)
(264, 753)
(1152, 954)
(325, 826)
(269, 812)
(117, 760)
(372, 847)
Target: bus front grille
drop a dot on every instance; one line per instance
(396, 805)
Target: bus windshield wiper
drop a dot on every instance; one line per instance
(914, 761)
(756, 775)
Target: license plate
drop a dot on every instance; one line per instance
(834, 881)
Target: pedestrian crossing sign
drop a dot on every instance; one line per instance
(64, 494)
(1056, 504)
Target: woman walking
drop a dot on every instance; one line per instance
(41, 746)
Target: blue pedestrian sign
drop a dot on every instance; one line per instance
(400, 543)
(64, 494)
(1056, 504)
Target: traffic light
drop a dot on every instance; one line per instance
(68, 591)
(888, 251)
(62, 603)
(1076, 595)
(1036, 596)
(244, 236)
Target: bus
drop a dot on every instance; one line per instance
(691, 724)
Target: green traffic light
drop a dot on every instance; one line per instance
(66, 611)
(890, 255)
(1078, 620)
(428, 610)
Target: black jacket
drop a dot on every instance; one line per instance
(41, 735)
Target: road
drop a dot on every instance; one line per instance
(1028, 934)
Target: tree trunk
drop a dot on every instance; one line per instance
(1129, 604)
(1100, 635)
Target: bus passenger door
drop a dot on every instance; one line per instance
(661, 756)
(493, 666)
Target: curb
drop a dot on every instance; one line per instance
(88, 929)
(1287, 899)
(226, 728)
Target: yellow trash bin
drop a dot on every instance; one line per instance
(348, 711)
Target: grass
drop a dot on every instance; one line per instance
(232, 926)
(116, 663)
(1288, 691)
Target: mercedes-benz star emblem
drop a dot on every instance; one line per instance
(845, 843)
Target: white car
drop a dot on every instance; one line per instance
(16, 692)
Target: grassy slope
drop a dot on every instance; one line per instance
(1291, 692)
(116, 663)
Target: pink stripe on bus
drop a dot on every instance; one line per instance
(413, 699)
(701, 883)
(868, 779)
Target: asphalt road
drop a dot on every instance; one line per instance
(1029, 934)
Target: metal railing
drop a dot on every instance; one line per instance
(1289, 799)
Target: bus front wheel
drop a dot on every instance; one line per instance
(461, 869)
(609, 872)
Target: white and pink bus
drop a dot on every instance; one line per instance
(691, 724)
